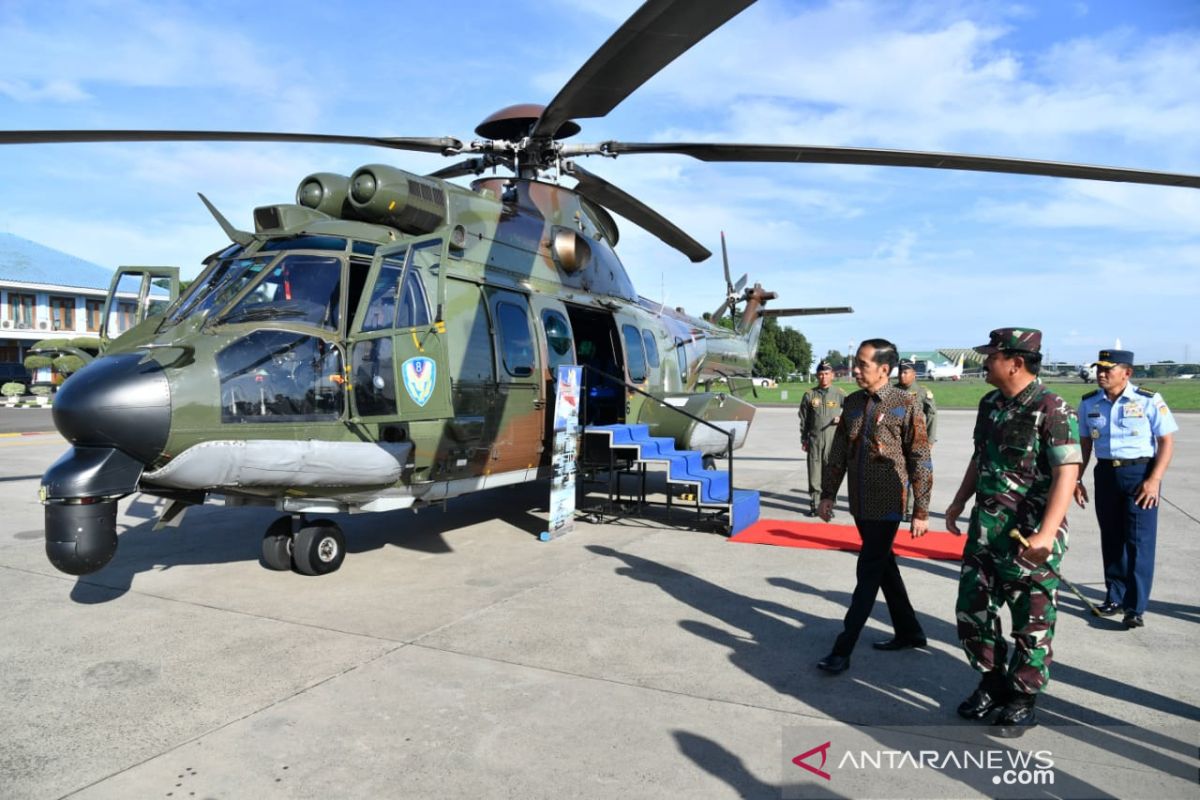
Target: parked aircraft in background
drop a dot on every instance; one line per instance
(946, 371)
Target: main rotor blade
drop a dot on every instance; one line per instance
(657, 33)
(785, 153)
(444, 145)
(600, 191)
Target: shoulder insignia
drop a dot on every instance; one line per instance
(1091, 394)
(1144, 392)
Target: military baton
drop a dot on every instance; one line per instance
(1016, 534)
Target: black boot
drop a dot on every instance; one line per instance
(992, 693)
(1017, 716)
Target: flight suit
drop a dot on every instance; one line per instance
(929, 406)
(1018, 442)
(818, 410)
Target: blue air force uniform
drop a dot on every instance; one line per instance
(1124, 436)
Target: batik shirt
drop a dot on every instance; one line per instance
(1018, 442)
(881, 441)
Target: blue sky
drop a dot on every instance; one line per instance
(928, 259)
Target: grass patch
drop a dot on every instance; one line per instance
(1181, 395)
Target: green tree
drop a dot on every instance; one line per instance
(794, 346)
(837, 360)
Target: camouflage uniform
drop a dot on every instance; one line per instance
(928, 405)
(818, 410)
(1018, 442)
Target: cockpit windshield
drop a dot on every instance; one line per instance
(302, 287)
(220, 286)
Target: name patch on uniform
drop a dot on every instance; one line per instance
(418, 374)
(831, 403)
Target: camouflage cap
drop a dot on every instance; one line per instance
(823, 366)
(907, 363)
(1110, 358)
(1022, 340)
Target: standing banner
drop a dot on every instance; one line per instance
(566, 443)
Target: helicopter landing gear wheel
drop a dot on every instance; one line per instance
(710, 462)
(318, 548)
(277, 545)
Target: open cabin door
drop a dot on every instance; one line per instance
(135, 295)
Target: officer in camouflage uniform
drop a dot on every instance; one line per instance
(907, 380)
(1027, 460)
(820, 411)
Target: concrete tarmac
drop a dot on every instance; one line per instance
(455, 655)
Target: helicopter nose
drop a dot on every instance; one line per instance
(121, 401)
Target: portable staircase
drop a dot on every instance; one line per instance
(631, 449)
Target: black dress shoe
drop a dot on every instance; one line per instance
(898, 643)
(1108, 610)
(1013, 720)
(981, 703)
(1134, 620)
(833, 663)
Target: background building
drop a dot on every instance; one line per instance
(47, 294)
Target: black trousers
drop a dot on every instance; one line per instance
(877, 569)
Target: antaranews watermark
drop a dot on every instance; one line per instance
(1072, 762)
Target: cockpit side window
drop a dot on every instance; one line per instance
(281, 376)
(398, 298)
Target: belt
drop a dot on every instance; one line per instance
(1125, 462)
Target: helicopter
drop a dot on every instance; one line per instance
(388, 340)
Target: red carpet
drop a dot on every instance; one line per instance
(828, 536)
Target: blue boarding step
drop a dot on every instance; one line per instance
(744, 512)
(684, 467)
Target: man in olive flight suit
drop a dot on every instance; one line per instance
(820, 412)
(907, 380)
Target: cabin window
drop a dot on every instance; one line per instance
(516, 343)
(468, 334)
(301, 288)
(281, 376)
(635, 353)
(374, 377)
(651, 349)
(558, 340)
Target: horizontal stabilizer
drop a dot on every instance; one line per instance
(805, 312)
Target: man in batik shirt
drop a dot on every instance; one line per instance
(882, 443)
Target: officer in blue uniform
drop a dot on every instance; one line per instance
(1130, 430)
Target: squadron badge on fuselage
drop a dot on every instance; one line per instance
(418, 374)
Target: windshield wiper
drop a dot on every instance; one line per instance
(267, 312)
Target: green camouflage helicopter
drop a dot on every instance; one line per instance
(388, 340)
